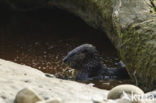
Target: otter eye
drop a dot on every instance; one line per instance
(71, 54)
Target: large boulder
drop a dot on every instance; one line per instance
(135, 24)
(15, 77)
(129, 24)
(23, 84)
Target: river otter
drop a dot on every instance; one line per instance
(88, 63)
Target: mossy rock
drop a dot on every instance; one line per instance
(129, 24)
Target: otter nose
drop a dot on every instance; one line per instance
(65, 59)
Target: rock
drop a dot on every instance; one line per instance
(50, 75)
(15, 77)
(27, 95)
(152, 93)
(135, 24)
(127, 94)
(151, 97)
(123, 101)
(129, 24)
(118, 91)
(1, 100)
(52, 100)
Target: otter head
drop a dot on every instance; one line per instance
(82, 57)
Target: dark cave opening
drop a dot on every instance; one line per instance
(41, 38)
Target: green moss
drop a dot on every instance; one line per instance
(153, 6)
(98, 13)
(136, 44)
(133, 43)
(154, 2)
(138, 52)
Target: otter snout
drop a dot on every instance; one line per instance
(65, 59)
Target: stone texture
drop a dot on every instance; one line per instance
(19, 83)
(15, 77)
(151, 94)
(129, 24)
(1, 100)
(117, 92)
(125, 93)
(135, 25)
(27, 95)
(52, 100)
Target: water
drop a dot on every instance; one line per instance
(41, 39)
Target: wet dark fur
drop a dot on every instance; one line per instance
(86, 60)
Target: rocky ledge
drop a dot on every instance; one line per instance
(23, 84)
(129, 24)
(15, 77)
